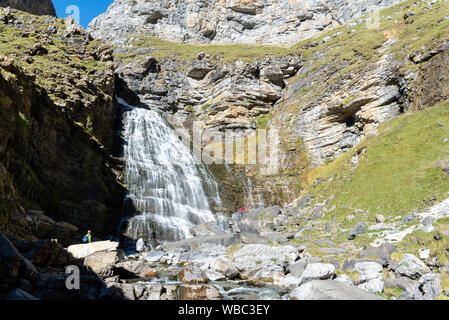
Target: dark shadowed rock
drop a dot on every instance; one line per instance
(12, 264)
(39, 7)
(19, 294)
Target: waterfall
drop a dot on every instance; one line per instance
(254, 201)
(166, 186)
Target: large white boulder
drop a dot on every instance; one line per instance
(80, 251)
(331, 290)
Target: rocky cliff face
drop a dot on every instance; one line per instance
(39, 7)
(57, 136)
(227, 21)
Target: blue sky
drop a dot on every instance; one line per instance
(88, 9)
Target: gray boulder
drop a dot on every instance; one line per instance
(331, 290)
(411, 267)
(374, 285)
(191, 274)
(368, 271)
(155, 256)
(214, 276)
(296, 269)
(226, 269)
(318, 271)
(430, 286)
(344, 279)
(359, 228)
(383, 252)
(408, 218)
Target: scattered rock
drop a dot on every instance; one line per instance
(135, 268)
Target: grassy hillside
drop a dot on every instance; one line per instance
(396, 171)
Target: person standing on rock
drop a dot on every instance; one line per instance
(88, 237)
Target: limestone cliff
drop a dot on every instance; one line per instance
(39, 7)
(228, 21)
(325, 94)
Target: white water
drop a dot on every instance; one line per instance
(164, 182)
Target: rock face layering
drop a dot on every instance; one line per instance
(228, 21)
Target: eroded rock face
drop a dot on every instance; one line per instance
(227, 21)
(39, 7)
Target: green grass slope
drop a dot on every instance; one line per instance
(396, 172)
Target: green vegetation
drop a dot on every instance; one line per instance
(385, 181)
(206, 106)
(262, 121)
(181, 51)
(392, 292)
(89, 125)
(52, 69)
(419, 239)
(23, 123)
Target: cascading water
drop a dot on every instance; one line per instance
(166, 186)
